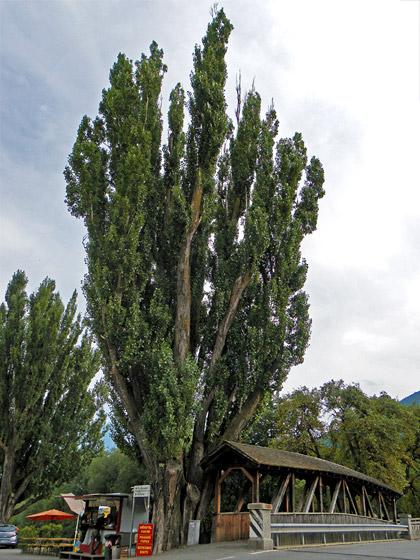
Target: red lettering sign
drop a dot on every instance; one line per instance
(144, 546)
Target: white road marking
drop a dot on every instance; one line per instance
(226, 558)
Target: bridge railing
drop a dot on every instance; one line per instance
(323, 533)
(413, 524)
(317, 528)
(415, 527)
(267, 530)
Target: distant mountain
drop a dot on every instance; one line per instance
(411, 399)
(108, 441)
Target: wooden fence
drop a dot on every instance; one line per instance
(230, 527)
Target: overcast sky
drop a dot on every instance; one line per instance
(344, 73)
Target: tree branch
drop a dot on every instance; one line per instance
(134, 420)
(247, 410)
(26, 503)
(122, 390)
(239, 286)
(183, 287)
(23, 486)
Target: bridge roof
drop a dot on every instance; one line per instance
(279, 459)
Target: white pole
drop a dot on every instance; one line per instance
(131, 530)
(77, 527)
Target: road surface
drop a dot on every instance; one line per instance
(395, 550)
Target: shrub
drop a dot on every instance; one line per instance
(28, 532)
(51, 530)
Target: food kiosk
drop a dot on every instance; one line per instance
(108, 517)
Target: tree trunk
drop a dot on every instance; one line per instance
(167, 514)
(7, 498)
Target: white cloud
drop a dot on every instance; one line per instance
(367, 340)
(345, 74)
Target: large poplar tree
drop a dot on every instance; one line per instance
(195, 276)
(49, 421)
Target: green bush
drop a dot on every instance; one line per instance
(29, 532)
(51, 530)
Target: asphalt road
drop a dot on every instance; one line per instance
(6, 553)
(396, 550)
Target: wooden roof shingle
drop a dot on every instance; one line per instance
(269, 457)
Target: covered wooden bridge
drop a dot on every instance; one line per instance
(301, 489)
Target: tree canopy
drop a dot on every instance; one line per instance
(108, 471)
(376, 435)
(195, 275)
(49, 419)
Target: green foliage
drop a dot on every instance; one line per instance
(195, 276)
(46, 531)
(111, 472)
(51, 530)
(28, 532)
(374, 435)
(50, 421)
(53, 501)
(107, 472)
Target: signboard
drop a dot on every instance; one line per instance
(141, 491)
(193, 532)
(144, 546)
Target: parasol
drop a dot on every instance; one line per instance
(50, 515)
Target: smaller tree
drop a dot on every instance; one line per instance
(374, 435)
(50, 421)
(112, 472)
(410, 502)
(370, 434)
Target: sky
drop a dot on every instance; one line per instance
(344, 73)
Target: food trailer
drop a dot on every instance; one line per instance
(108, 517)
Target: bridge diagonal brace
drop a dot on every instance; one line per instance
(311, 494)
(335, 497)
(277, 501)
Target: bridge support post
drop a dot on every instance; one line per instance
(260, 526)
(405, 519)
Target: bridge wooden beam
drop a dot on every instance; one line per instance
(278, 499)
(241, 500)
(372, 512)
(311, 494)
(383, 505)
(222, 475)
(343, 488)
(335, 496)
(351, 501)
(217, 499)
(302, 498)
(292, 490)
(363, 500)
(320, 495)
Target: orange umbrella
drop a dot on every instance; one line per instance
(50, 515)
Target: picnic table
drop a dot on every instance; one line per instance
(49, 546)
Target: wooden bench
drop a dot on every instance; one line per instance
(48, 546)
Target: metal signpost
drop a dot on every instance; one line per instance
(140, 491)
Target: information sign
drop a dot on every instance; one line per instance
(144, 546)
(141, 491)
